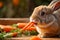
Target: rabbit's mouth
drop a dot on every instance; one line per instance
(42, 23)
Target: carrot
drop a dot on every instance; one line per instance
(7, 28)
(21, 25)
(35, 38)
(31, 28)
(11, 34)
(14, 34)
(28, 25)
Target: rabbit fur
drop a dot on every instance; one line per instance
(49, 15)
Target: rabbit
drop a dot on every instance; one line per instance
(48, 15)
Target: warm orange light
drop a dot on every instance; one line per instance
(15, 2)
(1, 4)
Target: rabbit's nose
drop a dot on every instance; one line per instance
(34, 20)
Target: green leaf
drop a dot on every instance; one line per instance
(2, 36)
(33, 32)
(19, 34)
(17, 30)
(27, 33)
(14, 25)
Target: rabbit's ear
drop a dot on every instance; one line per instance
(52, 2)
(55, 6)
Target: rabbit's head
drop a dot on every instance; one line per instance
(44, 14)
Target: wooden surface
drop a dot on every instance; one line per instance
(28, 38)
(8, 21)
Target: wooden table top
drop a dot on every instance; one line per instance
(28, 38)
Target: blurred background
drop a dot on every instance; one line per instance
(19, 8)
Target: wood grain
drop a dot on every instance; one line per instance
(28, 38)
(9, 21)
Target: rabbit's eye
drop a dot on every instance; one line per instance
(42, 13)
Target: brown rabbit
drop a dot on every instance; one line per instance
(48, 18)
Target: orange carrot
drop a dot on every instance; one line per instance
(7, 28)
(21, 25)
(28, 25)
(35, 38)
(31, 28)
(14, 34)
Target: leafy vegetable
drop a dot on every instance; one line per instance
(14, 25)
(15, 31)
(33, 32)
(27, 33)
(2, 35)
